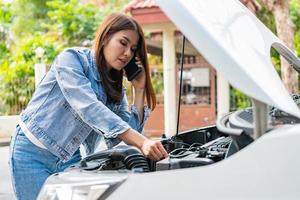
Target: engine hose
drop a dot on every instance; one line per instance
(136, 161)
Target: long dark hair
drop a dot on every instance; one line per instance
(112, 80)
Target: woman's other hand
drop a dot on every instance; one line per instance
(151, 149)
(154, 150)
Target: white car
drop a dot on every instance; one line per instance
(249, 154)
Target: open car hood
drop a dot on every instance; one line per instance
(236, 43)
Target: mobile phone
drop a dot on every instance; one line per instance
(132, 70)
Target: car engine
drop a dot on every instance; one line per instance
(197, 147)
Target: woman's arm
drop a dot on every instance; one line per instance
(151, 149)
(78, 92)
(139, 84)
(139, 99)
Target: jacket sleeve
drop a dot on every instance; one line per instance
(132, 116)
(76, 88)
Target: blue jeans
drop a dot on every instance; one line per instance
(30, 166)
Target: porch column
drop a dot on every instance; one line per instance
(40, 67)
(39, 73)
(223, 96)
(170, 75)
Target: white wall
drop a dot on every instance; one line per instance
(7, 125)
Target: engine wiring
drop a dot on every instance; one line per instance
(215, 148)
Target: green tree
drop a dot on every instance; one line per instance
(285, 30)
(5, 21)
(238, 100)
(17, 74)
(28, 17)
(73, 23)
(295, 17)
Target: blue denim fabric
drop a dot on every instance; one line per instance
(70, 107)
(30, 166)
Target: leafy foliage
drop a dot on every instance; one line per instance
(238, 100)
(28, 17)
(5, 20)
(17, 75)
(295, 17)
(295, 13)
(72, 22)
(267, 18)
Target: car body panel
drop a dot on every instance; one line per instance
(266, 169)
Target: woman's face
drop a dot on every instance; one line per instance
(120, 49)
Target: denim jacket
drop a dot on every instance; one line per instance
(70, 107)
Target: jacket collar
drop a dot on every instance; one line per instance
(96, 73)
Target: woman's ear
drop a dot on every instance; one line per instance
(105, 41)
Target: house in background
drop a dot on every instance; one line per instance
(200, 84)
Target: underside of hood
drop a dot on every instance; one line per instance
(236, 43)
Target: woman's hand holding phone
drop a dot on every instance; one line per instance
(139, 82)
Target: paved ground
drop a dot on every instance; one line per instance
(6, 191)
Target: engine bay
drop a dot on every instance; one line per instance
(197, 147)
(194, 148)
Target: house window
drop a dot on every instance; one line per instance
(195, 86)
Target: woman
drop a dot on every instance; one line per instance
(81, 100)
